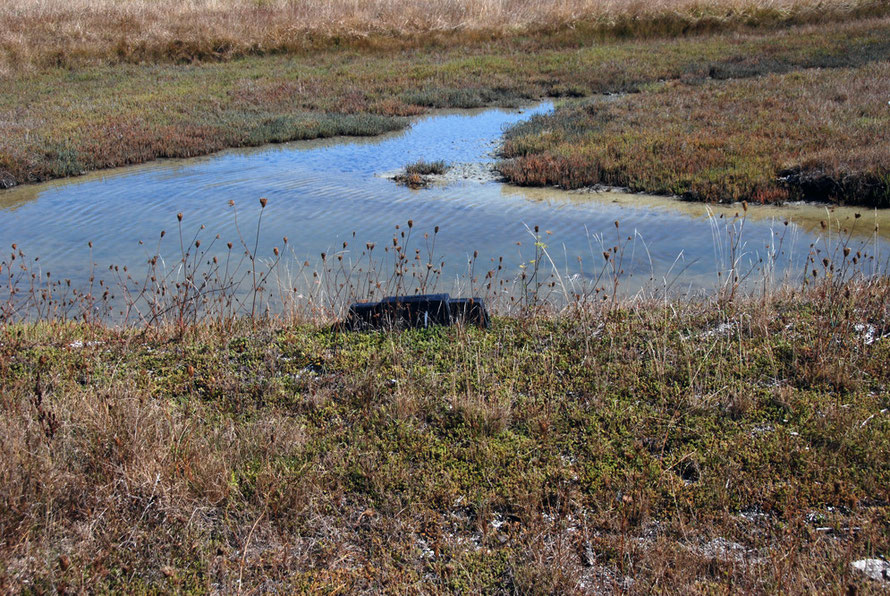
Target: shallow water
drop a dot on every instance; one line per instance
(323, 193)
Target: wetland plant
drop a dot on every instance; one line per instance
(417, 174)
(631, 441)
(427, 168)
(202, 282)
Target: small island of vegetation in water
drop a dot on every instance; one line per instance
(202, 426)
(420, 173)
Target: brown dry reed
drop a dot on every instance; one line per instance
(206, 283)
(63, 33)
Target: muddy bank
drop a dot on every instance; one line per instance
(852, 188)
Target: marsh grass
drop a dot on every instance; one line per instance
(420, 173)
(608, 442)
(738, 444)
(56, 33)
(61, 122)
(808, 135)
(427, 168)
(196, 424)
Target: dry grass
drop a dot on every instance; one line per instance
(739, 444)
(59, 122)
(681, 447)
(61, 32)
(641, 444)
(815, 134)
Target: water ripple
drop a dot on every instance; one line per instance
(321, 192)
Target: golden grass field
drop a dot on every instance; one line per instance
(61, 32)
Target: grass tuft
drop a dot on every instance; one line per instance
(427, 168)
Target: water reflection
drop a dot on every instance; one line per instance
(323, 193)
